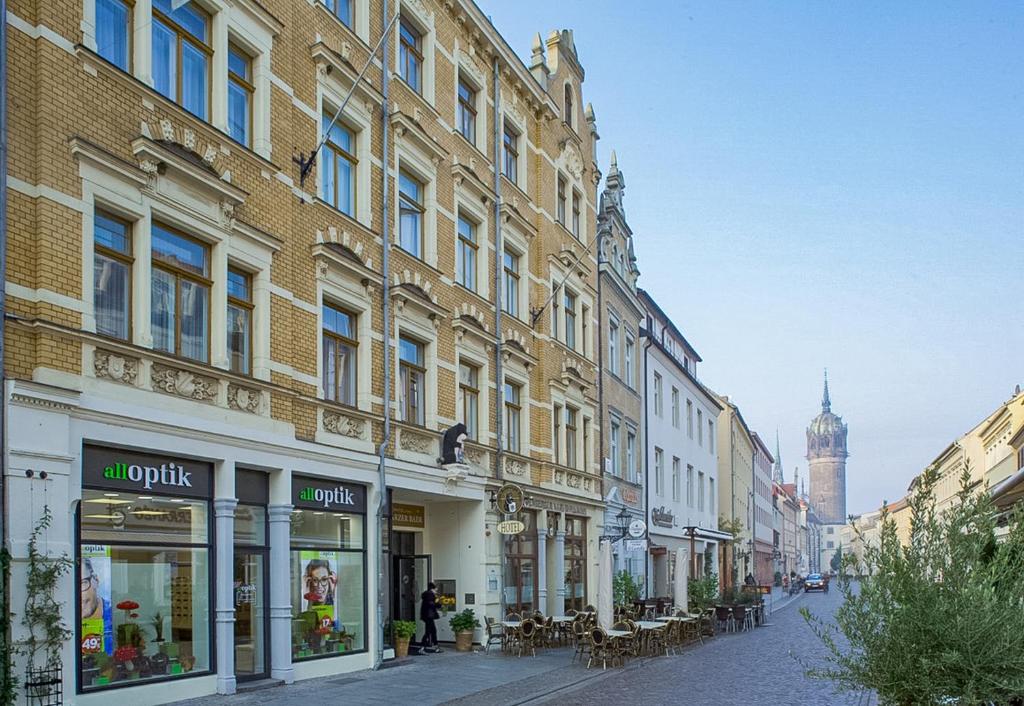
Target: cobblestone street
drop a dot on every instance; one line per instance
(745, 668)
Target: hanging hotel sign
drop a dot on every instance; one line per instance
(511, 527)
(662, 517)
(510, 501)
(324, 494)
(132, 471)
(637, 529)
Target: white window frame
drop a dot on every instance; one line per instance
(360, 123)
(423, 20)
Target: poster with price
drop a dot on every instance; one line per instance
(97, 617)
(319, 585)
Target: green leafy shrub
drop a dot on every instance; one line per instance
(703, 592)
(463, 620)
(625, 589)
(403, 629)
(938, 621)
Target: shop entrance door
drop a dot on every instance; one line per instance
(250, 583)
(411, 576)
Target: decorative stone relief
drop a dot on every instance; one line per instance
(183, 383)
(475, 457)
(342, 424)
(417, 443)
(573, 480)
(515, 467)
(115, 367)
(573, 160)
(244, 399)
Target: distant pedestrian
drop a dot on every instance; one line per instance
(750, 580)
(429, 614)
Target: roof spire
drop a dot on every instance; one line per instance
(826, 403)
(777, 474)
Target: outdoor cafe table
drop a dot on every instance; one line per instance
(670, 618)
(650, 624)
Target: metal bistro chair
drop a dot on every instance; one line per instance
(629, 645)
(601, 648)
(741, 617)
(724, 618)
(528, 635)
(693, 628)
(581, 637)
(495, 633)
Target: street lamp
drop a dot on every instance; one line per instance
(623, 527)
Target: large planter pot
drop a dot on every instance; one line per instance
(464, 641)
(401, 647)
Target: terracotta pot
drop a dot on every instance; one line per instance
(464, 641)
(402, 647)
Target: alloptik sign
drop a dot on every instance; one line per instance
(167, 474)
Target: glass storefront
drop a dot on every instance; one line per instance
(144, 568)
(575, 563)
(520, 594)
(328, 568)
(250, 581)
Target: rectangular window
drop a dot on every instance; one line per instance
(113, 32)
(585, 329)
(613, 449)
(181, 55)
(689, 485)
(342, 9)
(576, 213)
(240, 321)
(339, 166)
(675, 479)
(711, 436)
(570, 437)
(712, 499)
(556, 445)
(521, 574)
(570, 319)
(700, 427)
(112, 275)
(631, 457)
(658, 408)
(511, 300)
(630, 359)
(467, 111)
(469, 398)
(466, 276)
(613, 348)
(560, 201)
(340, 344)
(675, 407)
(510, 166)
(659, 471)
(700, 490)
(410, 207)
(180, 295)
(410, 61)
(689, 418)
(586, 443)
(512, 414)
(412, 371)
(240, 91)
(575, 563)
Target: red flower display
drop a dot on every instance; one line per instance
(125, 654)
(133, 615)
(127, 605)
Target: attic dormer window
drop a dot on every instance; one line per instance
(568, 112)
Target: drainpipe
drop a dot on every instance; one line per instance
(732, 491)
(5, 637)
(600, 359)
(647, 465)
(499, 374)
(385, 233)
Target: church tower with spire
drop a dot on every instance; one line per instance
(777, 474)
(826, 459)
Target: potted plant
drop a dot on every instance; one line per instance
(463, 623)
(158, 626)
(403, 630)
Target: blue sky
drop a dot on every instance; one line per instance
(822, 184)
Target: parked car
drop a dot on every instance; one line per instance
(815, 582)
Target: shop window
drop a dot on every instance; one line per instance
(575, 563)
(240, 92)
(113, 32)
(413, 381)
(239, 321)
(180, 295)
(469, 398)
(144, 569)
(339, 354)
(328, 569)
(181, 54)
(521, 589)
(112, 275)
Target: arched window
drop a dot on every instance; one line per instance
(568, 113)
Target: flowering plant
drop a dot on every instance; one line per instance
(128, 607)
(125, 654)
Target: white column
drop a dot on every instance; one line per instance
(142, 41)
(224, 512)
(142, 281)
(219, 308)
(560, 568)
(280, 518)
(219, 108)
(542, 565)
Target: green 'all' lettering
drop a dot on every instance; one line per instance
(306, 494)
(119, 471)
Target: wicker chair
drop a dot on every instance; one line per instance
(495, 633)
(514, 617)
(601, 649)
(528, 636)
(581, 638)
(741, 617)
(693, 628)
(724, 618)
(628, 646)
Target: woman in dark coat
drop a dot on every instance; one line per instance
(428, 614)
